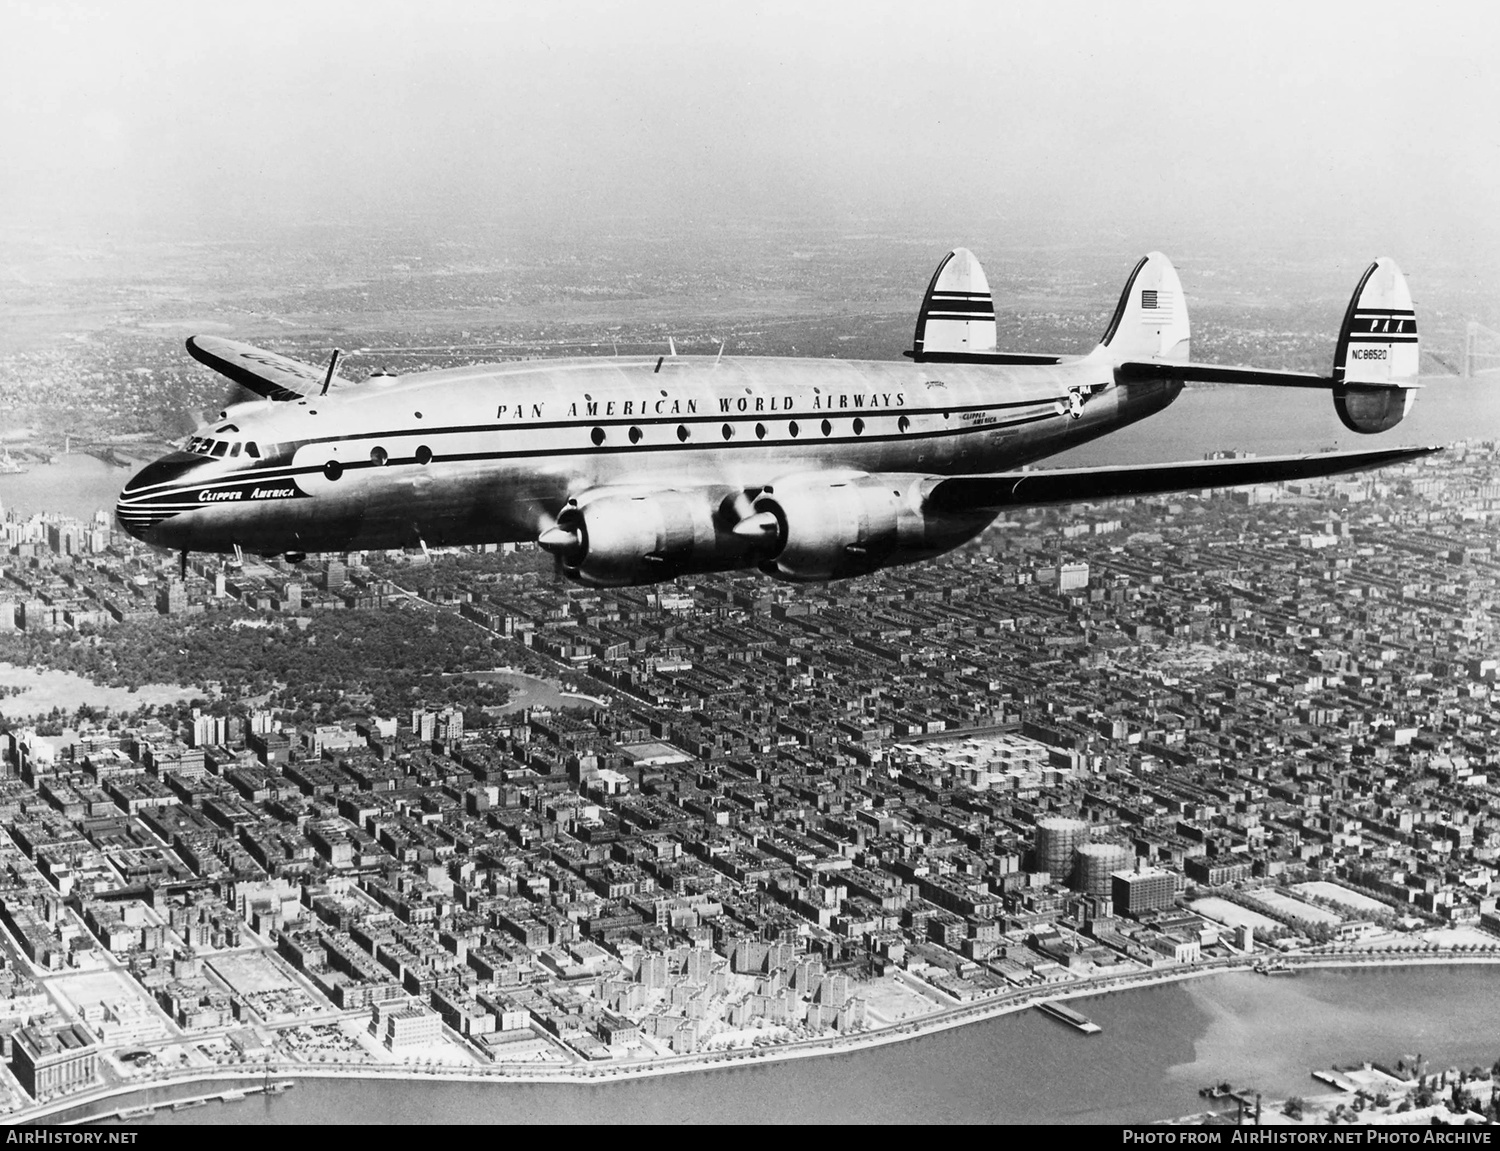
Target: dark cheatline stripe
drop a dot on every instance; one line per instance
(1363, 312)
(960, 317)
(1382, 338)
(976, 305)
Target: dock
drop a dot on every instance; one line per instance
(1069, 1016)
(232, 1095)
(1275, 967)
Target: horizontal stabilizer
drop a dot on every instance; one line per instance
(264, 373)
(1217, 374)
(1080, 485)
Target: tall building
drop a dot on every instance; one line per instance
(50, 1063)
(289, 596)
(1072, 576)
(1149, 889)
(423, 724)
(1057, 837)
(449, 727)
(413, 1026)
(208, 730)
(171, 599)
(62, 539)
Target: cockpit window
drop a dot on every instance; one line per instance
(220, 447)
(235, 450)
(251, 450)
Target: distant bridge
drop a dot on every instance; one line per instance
(1481, 350)
(108, 451)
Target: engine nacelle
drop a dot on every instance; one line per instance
(621, 540)
(833, 528)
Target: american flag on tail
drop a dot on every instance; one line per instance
(1154, 309)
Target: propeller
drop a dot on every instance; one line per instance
(557, 542)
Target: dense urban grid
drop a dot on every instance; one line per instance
(1098, 746)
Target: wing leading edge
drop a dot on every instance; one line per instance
(264, 373)
(1080, 485)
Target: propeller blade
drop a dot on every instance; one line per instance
(560, 541)
(758, 526)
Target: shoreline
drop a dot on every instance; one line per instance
(120, 1094)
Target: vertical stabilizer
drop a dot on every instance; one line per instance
(1378, 343)
(1151, 319)
(1375, 363)
(958, 313)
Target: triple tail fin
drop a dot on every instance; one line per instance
(1375, 361)
(957, 322)
(1151, 320)
(958, 312)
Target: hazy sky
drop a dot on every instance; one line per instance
(1375, 119)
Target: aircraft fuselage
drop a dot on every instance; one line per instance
(492, 454)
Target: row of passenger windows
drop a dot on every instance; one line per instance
(729, 431)
(423, 455)
(379, 457)
(333, 469)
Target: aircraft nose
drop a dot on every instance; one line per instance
(166, 470)
(153, 494)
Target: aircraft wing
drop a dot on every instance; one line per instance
(1079, 485)
(264, 373)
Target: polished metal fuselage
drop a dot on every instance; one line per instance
(492, 454)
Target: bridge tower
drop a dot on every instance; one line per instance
(1481, 350)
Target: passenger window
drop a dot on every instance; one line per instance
(220, 447)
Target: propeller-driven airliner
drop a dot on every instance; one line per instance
(633, 470)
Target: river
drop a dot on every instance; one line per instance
(77, 485)
(1158, 1046)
